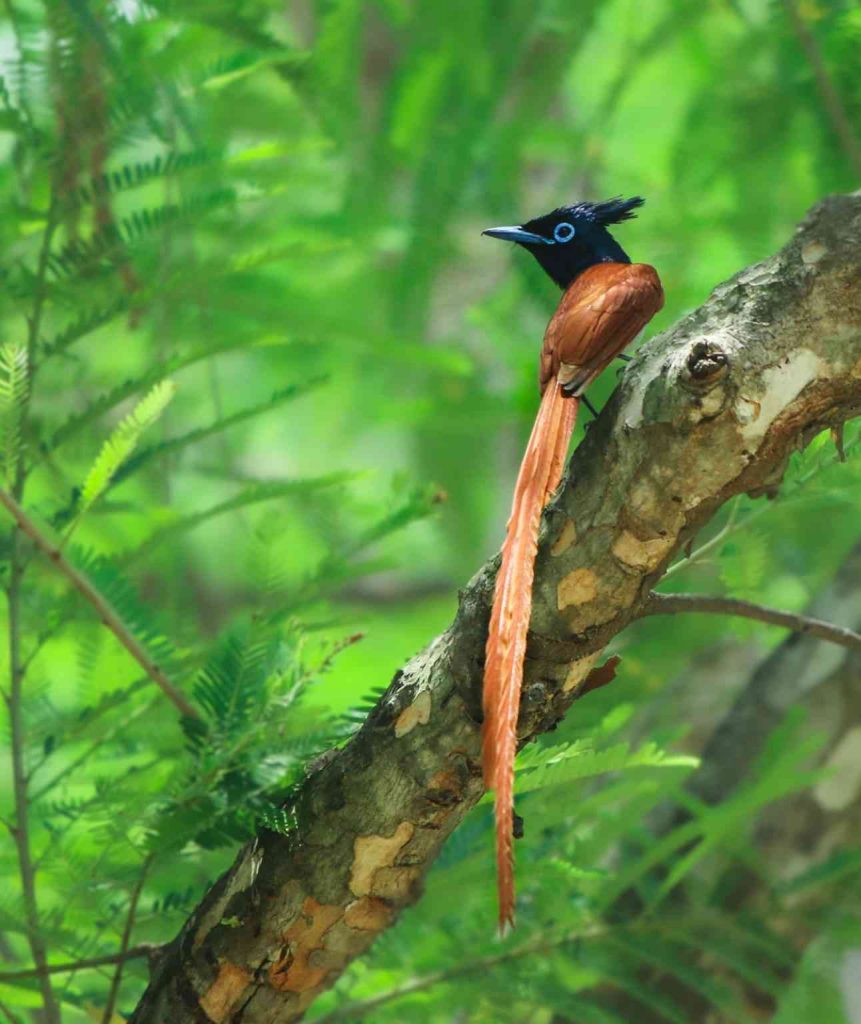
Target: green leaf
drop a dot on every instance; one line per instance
(81, 257)
(818, 988)
(123, 440)
(139, 617)
(194, 437)
(250, 495)
(121, 178)
(278, 819)
(842, 865)
(743, 562)
(14, 389)
(84, 324)
(671, 961)
(565, 764)
(120, 392)
(621, 972)
(248, 64)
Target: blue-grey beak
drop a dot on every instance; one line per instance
(517, 234)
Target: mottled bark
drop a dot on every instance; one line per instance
(709, 409)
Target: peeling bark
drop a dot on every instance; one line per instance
(710, 409)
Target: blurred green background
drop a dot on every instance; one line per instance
(278, 207)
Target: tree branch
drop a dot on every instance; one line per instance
(684, 433)
(9, 1016)
(17, 668)
(792, 675)
(125, 941)
(834, 108)
(21, 828)
(799, 832)
(105, 611)
(674, 604)
(134, 953)
(359, 1010)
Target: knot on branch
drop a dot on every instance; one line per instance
(706, 364)
(694, 388)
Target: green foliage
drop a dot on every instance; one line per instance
(278, 207)
(640, 934)
(122, 442)
(135, 175)
(193, 437)
(569, 763)
(14, 388)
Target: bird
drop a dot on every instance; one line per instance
(606, 302)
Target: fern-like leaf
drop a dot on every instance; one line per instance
(232, 683)
(278, 819)
(175, 444)
(254, 494)
(14, 388)
(83, 325)
(130, 176)
(669, 960)
(84, 255)
(153, 375)
(576, 761)
(123, 440)
(138, 617)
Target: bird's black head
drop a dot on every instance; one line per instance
(572, 238)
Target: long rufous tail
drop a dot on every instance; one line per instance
(540, 472)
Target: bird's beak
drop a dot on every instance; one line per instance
(516, 234)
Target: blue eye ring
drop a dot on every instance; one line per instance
(564, 232)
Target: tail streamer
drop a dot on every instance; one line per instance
(540, 472)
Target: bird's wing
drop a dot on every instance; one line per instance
(602, 312)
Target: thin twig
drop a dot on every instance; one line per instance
(709, 545)
(21, 829)
(831, 101)
(59, 834)
(735, 522)
(105, 611)
(105, 737)
(17, 671)
(352, 1011)
(34, 322)
(22, 64)
(145, 949)
(674, 604)
(7, 1013)
(111, 1002)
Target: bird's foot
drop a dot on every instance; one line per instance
(589, 406)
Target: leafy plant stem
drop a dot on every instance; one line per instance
(8, 1015)
(106, 737)
(111, 1002)
(35, 319)
(710, 545)
(715, 604)
(15, 697)
(736, 522)
(105, 611)
(135, 953)
(21, 830)
(831, 101)
(356, 1011)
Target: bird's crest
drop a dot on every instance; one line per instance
(610, 211)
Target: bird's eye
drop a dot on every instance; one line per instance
(564, 232)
